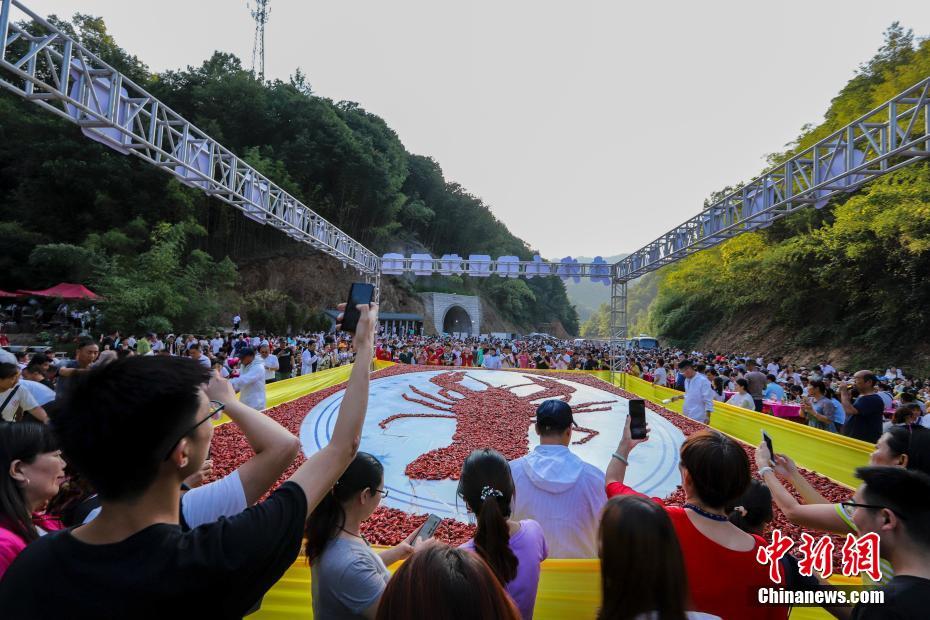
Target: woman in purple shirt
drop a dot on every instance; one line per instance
(513, 549)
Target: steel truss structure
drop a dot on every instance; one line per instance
(504, 266)
(893, 135)
(44, 65)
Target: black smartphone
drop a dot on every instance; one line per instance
(637, 418)
(359, 293)
(429, 527)
(768, 442)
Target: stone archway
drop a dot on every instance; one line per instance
(457, 321)
(440, 306)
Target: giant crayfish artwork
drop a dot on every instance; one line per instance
(495, 418)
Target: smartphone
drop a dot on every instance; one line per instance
(359, 293)
(768, 442)
(429, 527)
(637, 418)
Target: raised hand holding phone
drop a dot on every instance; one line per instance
(360, 294)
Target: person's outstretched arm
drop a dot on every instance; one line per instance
(320, 472)
(814, 516)
(275, 447)
(616, 469)
(788, 470)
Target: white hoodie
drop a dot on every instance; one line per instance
(564, 494)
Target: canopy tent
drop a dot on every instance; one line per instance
(65, 290)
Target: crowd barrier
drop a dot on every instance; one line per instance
(571, 588)
(829, 454)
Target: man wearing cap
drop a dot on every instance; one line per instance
(251, 380)
(563, 493)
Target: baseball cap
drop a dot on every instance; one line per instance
(555, 414)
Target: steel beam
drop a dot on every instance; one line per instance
(44, 65)
(893, 135)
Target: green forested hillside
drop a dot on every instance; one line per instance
(71, 209)
(851, 278)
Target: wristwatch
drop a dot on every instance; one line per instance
(765, 470)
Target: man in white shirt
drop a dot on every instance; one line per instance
(251, 380)
(308, 360)
(492, 360)
(773, 368)
(507, 360)
(699, 395)
(563, 493)
(157, 344)
(660, 375)
(14, 397)
(216, 343)
(198, 356)
(270, 361)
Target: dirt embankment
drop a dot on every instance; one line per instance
(756, 332)
(321, 282)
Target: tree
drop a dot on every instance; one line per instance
(168, 284)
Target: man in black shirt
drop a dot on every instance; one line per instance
(406, 357)
(135, 429)
(864, 416)
(285, 355)
(895, 504)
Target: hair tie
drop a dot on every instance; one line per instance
(742, 511)
(487, 492)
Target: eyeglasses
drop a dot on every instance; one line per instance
(216, 413)
(383, 492)
(853, 505)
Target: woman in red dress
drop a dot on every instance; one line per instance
(720, 559)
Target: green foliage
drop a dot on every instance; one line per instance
(273, 311)
(168, 286)
(16, 244)
(852, 275)
(63, 262)
(341, 160)
(598, 324)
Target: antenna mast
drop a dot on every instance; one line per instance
(260, 14)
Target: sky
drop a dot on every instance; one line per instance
(588, 127)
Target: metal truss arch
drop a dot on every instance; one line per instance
(42, 64)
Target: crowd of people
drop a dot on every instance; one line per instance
(861, 404)
(104, 511)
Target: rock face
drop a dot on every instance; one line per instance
(321, 282)
(454, 313)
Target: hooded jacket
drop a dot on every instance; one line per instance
(564, 494)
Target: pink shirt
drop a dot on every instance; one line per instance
(11, 544)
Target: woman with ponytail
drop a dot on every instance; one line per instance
(347, 577)
(513, 549)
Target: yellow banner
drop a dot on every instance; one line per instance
(829, 454)
(571, 588)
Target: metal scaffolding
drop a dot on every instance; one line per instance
(503, 266)
(44, 65)
(893, 135)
